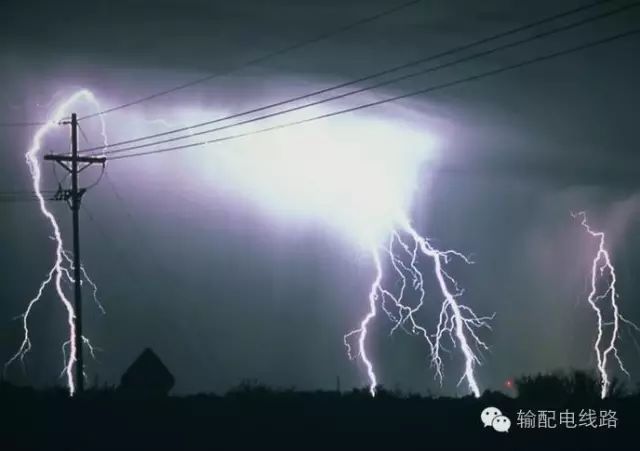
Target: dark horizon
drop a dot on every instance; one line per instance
(243, 260)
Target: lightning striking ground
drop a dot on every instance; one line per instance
(401, 259)
(456, 321)
(60, 270)
(380, 219)
(603, 347)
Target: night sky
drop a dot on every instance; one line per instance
(226, 286)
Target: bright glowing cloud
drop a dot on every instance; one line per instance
(358, 175)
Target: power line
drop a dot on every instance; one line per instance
(141, 241)
(18, 192)
(261, 59)
(27, 197)
(9, 200)
(122, 203)
(383, 83)
(21, 124)
(118, 253)
(165, 277)
(381, 73)
(399, 97)
(24, 196)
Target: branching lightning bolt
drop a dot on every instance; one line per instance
(456, 321)
(603, 349)
(62, 267)
(406, 248)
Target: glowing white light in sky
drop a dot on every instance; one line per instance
(358, 175)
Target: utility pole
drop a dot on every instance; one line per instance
(74, 197)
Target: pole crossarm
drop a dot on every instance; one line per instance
(80, 159)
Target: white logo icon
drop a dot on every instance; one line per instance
(488, 415)
(492, 416)
(501, 423)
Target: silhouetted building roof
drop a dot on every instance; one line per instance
(148, 376)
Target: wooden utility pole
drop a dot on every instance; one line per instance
(74, 197)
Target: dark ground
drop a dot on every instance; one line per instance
(256, 417)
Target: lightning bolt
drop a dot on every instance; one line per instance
(604, 349)
(456, 321)
(63, 264)
(406, 247)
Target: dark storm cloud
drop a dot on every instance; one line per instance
(250, 298)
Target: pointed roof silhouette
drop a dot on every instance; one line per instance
(147, 375)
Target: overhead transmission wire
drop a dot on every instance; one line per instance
(260, 59)
(21, 124)
(252, 62)
(387, 71)
(368, 77)
(19, 192)
(117, 250)
(18, 199)
(434, 88)
(282, 52)
(102, 171)
(135, 227)
(142, 241)
(24, 196)
(347, 94)
(15, 196)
